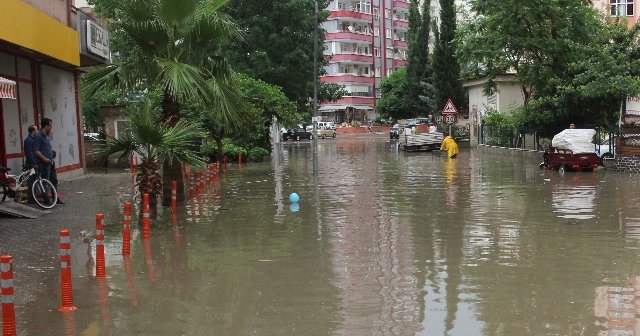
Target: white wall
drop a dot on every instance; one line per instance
(59, 104)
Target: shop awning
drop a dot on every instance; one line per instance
(7, 88)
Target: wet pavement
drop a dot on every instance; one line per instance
(382, 243)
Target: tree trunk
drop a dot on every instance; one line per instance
(170, 172)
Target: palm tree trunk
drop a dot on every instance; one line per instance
(149, 182)
(170, 172)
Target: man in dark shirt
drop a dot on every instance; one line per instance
(29, 148)
(44, 153)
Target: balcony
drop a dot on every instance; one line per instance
(348, 36)
(399, 62)
(351, 57)
(355, 101)
(348, 78)
(399, 43)
(349, 14)
(400, 4)
(401, 24)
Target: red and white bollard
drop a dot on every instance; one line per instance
(66, 290)
(146, 213)
(8, 301)
(101, 271)
(126, 230)
(174, 196)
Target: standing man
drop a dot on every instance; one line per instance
(44, 154)
(29, 148)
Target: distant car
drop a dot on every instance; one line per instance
(92, 137)
(326, 132)
(323, 124)
(394, 132)
(297, 134)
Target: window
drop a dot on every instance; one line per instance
(376, 31)
(376, 13)
(387, 14)
(378, 72)
(621, 7)
(388, 33)
(389, 72)
(376, 52)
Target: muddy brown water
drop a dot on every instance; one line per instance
(382, 243)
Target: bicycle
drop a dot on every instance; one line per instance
(14, 186)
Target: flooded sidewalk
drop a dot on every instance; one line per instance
(382, 242)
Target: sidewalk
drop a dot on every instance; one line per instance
(34, 243)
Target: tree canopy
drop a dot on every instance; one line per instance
(573, 64)
(278, 45)
(393, 102)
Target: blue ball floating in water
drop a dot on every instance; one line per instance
(294, 198)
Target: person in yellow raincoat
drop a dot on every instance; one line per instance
(449, 145)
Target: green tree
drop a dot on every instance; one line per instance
(414, 67)
(279, 42)
(446, 68)
(156, 142)
(264, 101)
(175, 44)
(574, 66)
(393, 102)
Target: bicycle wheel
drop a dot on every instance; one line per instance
(44, 193)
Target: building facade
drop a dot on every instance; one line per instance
(366, 40)
(623, 9)
(44, 44)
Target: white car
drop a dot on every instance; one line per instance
(606, 149)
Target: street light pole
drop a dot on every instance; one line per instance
(315, 75)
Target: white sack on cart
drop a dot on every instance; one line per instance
(576, 140)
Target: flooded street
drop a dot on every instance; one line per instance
(382, 243)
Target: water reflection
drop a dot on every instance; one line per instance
(574, 195)
(384, 243)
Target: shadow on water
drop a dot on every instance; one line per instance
(382, 242)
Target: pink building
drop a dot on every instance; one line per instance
(619, 8)
(365, 42)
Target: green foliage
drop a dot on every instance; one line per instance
(420, 92)
(232, 151)
(257, 154)
(393, 102)
(446, 68)
(279, 43)
(91, 104)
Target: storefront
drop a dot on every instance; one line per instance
(41, 54)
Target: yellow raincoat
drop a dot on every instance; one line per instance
(450, 146)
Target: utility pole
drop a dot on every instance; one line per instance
(315, 76)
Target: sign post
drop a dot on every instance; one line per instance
(449, 114)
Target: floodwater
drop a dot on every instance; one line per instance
(382, 243)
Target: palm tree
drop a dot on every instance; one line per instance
(157, 143)
(174, 44)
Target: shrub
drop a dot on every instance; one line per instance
(257, 154)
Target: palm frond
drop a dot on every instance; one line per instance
(175, 13)
(213, 29)
(182, 80)
(134, 10)
(150, 36)
(228, 102)
(125, 146)
(212, 6)
(102, 78)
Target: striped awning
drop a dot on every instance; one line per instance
(7, 88)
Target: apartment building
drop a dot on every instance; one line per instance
(619, 8)
(44, 45)
(366, 40)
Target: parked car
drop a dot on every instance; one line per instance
(92, 137)
(297, 134)
(606, 148)
(323, 124)
(326, 132)
(394, 132)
